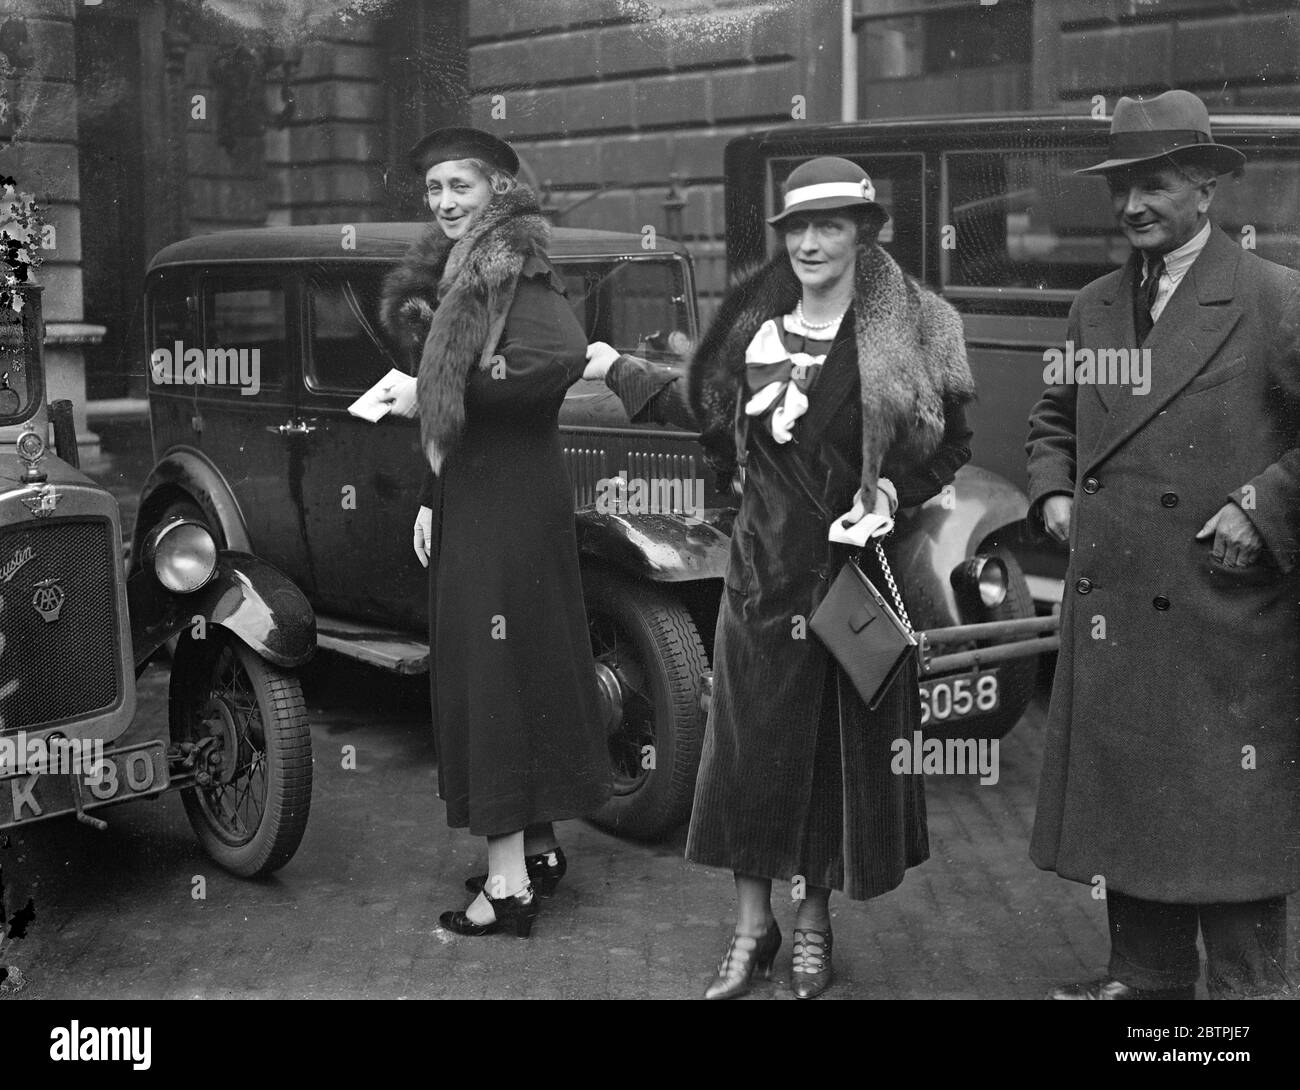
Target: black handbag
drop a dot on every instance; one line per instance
(871, 642)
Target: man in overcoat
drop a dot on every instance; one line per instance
(1170, 779)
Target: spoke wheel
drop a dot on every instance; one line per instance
(248, 722)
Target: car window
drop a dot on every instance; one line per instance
(246, 337)
(347, 351)
(1025, 225)
(638, 305)
(168, 309)
(897, 182)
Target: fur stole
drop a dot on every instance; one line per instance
(450, 296)
(911, 356)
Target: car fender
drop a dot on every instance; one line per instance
(664, 548)
(251, 599)
(937, 536)
(186, 473)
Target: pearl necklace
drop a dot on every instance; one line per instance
(798, 313)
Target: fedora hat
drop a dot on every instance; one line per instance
(461, 143)
(1175, 123)
(825, 183)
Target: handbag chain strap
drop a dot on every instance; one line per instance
(796, 469)
(893, 587)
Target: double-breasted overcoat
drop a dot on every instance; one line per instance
(1173, 734)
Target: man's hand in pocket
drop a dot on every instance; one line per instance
(1237, 543)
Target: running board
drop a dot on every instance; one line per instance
(387, 648)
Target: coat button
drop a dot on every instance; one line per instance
(1160, 602)
(1083, 586)
(1090, 485)
(1169, 499)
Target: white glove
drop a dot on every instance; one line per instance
(856, 526)
(600, 358)
(400, 394)
(423, 534)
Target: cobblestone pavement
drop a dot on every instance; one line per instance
(355, 912)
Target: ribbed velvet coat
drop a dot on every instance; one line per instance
(795, 773)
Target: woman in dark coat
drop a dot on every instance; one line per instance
(515, 702)
(831, 366)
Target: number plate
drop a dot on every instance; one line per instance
(126, 773)
(959, 696)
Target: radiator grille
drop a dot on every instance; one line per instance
(59, 645)
(586, 467)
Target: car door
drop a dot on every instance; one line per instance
(360, 481)
(243, 414)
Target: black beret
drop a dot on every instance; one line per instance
(462, 143)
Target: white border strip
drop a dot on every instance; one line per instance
(830, 189)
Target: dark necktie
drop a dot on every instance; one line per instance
(1145, 299)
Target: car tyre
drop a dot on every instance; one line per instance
(646, 644)
(252, 815)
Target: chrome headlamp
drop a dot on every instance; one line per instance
(984, 577)
(183, 555)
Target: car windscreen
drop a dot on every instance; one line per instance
(19, 384)
(1022, 226)
(639, 305)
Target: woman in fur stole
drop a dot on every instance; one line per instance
(829, 373)
(515, 703)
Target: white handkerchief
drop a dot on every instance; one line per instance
(368, 406)
(866, 526)
(792, 406)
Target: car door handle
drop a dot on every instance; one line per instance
(292, 427)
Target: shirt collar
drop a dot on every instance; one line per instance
(1178, 261)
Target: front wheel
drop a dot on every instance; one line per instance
(649, 661)
(244, 724)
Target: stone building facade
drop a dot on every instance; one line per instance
(138, 122)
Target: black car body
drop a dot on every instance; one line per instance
(288, 474)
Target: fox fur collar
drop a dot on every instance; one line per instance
(911, 358)
(451, 298)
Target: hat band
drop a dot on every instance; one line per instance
(1147, 143)
(861, 190)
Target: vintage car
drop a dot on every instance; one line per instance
(270, 460)
(76, 633)
(988, 210)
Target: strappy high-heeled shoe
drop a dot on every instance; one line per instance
(544, 871)
(812, 973)
(745, 956)
(516, 913)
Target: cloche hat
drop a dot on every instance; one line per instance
(462, 143)
(1175, 123)
(825, 183)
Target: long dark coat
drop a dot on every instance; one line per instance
(795, 773)
(1174, 732)
(513, 685)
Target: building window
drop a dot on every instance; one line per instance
(946, 38)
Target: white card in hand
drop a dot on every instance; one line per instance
(368, 406)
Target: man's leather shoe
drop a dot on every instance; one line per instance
(1114, 989)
